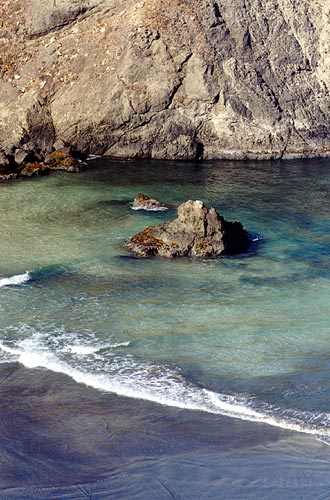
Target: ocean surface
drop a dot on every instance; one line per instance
(130, 378)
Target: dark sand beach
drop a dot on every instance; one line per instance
(61, 440)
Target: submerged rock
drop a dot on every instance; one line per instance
(197, 232)
(144, 202)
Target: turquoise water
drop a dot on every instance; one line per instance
(246, 337)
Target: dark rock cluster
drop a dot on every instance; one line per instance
(23, 163)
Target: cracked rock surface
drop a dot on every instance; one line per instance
(173, 79)
(197, 232)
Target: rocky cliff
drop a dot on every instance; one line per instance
(166, 79)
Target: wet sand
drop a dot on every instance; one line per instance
(62, 440)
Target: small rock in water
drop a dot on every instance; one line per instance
(197, 232)
(144, 202)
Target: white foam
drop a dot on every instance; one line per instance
(120, 344)
(160, 384)
(9, 350)
(93, 157)
(86, 350)
(15, 280)
(151, 209)
(83, 350)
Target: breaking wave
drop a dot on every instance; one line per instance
(153, 209)
(18, 279)
(96, 364)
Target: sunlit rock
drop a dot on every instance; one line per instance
(197, 232)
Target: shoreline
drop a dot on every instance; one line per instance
(68, 439)
(68, 159)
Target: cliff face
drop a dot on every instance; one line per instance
(167, 79)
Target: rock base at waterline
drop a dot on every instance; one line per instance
(24, 163)
(197, 232)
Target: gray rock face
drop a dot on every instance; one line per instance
(45, 16)
(174, 79)
(197, 232)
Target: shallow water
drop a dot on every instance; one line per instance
(244, 337)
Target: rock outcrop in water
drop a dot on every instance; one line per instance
(29, 164)
(144, 202)
(197, 232)
(174, 79)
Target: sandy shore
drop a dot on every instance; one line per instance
(62, 440)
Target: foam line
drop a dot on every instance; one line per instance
(127, 378)
(155, 209)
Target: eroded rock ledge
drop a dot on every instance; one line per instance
(197, 232)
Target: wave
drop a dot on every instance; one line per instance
(97, 366)
(151, 209)
(85, 350)
(18, 279)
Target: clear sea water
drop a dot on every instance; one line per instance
(245, 338)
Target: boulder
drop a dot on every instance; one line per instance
(23, 156)
(144, 202)
(197, 232)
